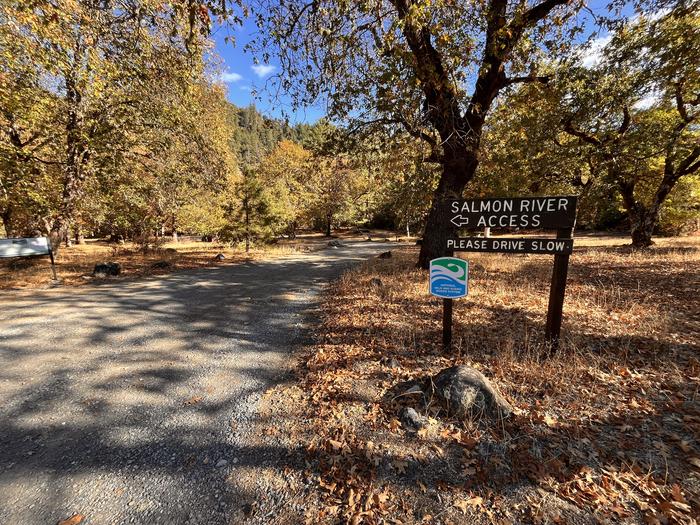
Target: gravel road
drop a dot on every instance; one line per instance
(128, 401)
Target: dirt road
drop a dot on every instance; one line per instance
(127, 402)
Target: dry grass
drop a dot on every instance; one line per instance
(607, 430)
(74, 265)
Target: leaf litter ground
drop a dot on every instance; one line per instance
(605, 431)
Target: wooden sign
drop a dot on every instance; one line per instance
(24, 247)
(511, 245)
(546, 213)
(27, 247)
(518, 213)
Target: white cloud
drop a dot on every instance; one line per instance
(229, 76)
(245, 88)
(592, 55)
(262, 70)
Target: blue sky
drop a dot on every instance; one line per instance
(242, 75)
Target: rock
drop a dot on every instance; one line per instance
(221, 463)
(161, 265)
(411, 420)
(219, 257)
(375, 281)
(106, 269)
(334, 243)
(385, 255)
(467, 392)
(393, 363)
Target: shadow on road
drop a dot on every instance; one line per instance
(120, 400)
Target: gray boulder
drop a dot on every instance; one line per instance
(334, 244)
(219, 257)
(467, 392)
(412, 420)
(107, 269)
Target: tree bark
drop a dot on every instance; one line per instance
(78, 232)
(6, 217)
(76, 158)
(457, 171)
(247, 224)
(460, 131)
(329, 223)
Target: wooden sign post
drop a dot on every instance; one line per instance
(522, 213)
(449, 279)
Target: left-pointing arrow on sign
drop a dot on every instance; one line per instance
(459, 221)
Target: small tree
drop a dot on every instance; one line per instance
(249, 215)
(285, 171)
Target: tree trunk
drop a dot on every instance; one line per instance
(643, 219)
(642, 227)
(247, 226)
(329, 222)
(174, 223)
(78, 231)
(6, 217)
(76, 158)
(457, 171)
(67, 240)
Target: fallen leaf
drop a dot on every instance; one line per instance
(192, 401)
(73, 520)
(464, 504)
(550, 421)
(400, 465)
(677, 493)
(337, 445)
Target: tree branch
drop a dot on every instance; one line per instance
(626, 120)
(680, 104)
(688, 164)
(540, 11)
(586, 137)
(528, 79)
(417, 133)
(437, 87)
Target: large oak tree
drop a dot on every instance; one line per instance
(434, 68)
(638, 110)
